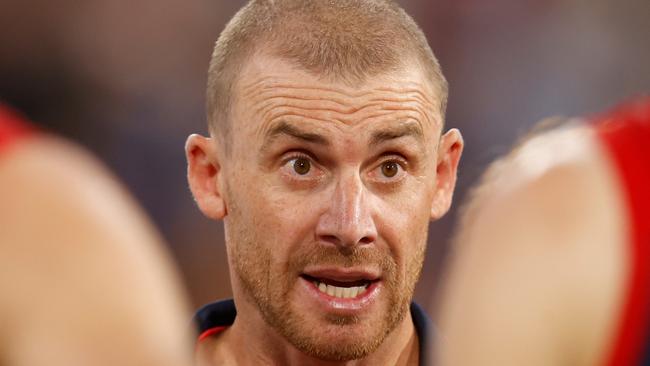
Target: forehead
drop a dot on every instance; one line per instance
(271, 91)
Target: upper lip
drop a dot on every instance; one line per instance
(343, 274)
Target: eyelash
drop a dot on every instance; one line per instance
(393, 158)
(297, 155)
(300, 155)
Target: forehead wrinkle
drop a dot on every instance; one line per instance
(272, 82)
(264, 99)
(271, 107)
(412, 112)
(265, 107)
(275, 111)
(340, 120)
(302, 92)
(402, 104)
(302, 98)
(344, 96)
(268, 99)
(293, 115)
(254, 86)
(263, 91)
(342, 93)
(406, 99)
(415, 89)
(271, 110)
(269, 88)
(348, 98)
(272, 98)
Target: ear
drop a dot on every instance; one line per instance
(203, 175)
(449, 152)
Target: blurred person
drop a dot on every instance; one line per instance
(84, 279)
(326, 161)
(551, 261)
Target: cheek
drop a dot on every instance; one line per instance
(294, 217)
(279, 219)
(403, 222)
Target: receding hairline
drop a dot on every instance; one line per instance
(433, 89)
(330, 56)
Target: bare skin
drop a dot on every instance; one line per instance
(323, 180)
(537, 276)
(84, 277)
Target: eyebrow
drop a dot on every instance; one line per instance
(286, 129)
(402, 130)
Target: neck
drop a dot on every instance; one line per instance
(250, 341)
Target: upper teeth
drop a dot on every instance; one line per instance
(341, 292)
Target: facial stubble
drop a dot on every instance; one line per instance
(270, 290)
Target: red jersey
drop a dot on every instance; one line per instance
(625, 135)
(12, 127)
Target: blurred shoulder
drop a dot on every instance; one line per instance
(81, 267)
(544, 236)
(55, 185)
(556, 184)
(63, 214)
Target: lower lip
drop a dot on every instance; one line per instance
(344, 305)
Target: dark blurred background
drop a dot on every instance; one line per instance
(126, 79)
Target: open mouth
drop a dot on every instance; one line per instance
(340, 289)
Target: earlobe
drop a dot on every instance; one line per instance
(203, 173)
(449, 152)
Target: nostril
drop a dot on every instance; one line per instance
(366, 240)
(335, 240)
(332, 239)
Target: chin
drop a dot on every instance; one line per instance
(339, 338)
(340, 347)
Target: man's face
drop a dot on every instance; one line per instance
(329, 192)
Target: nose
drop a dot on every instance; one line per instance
(348, 221)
